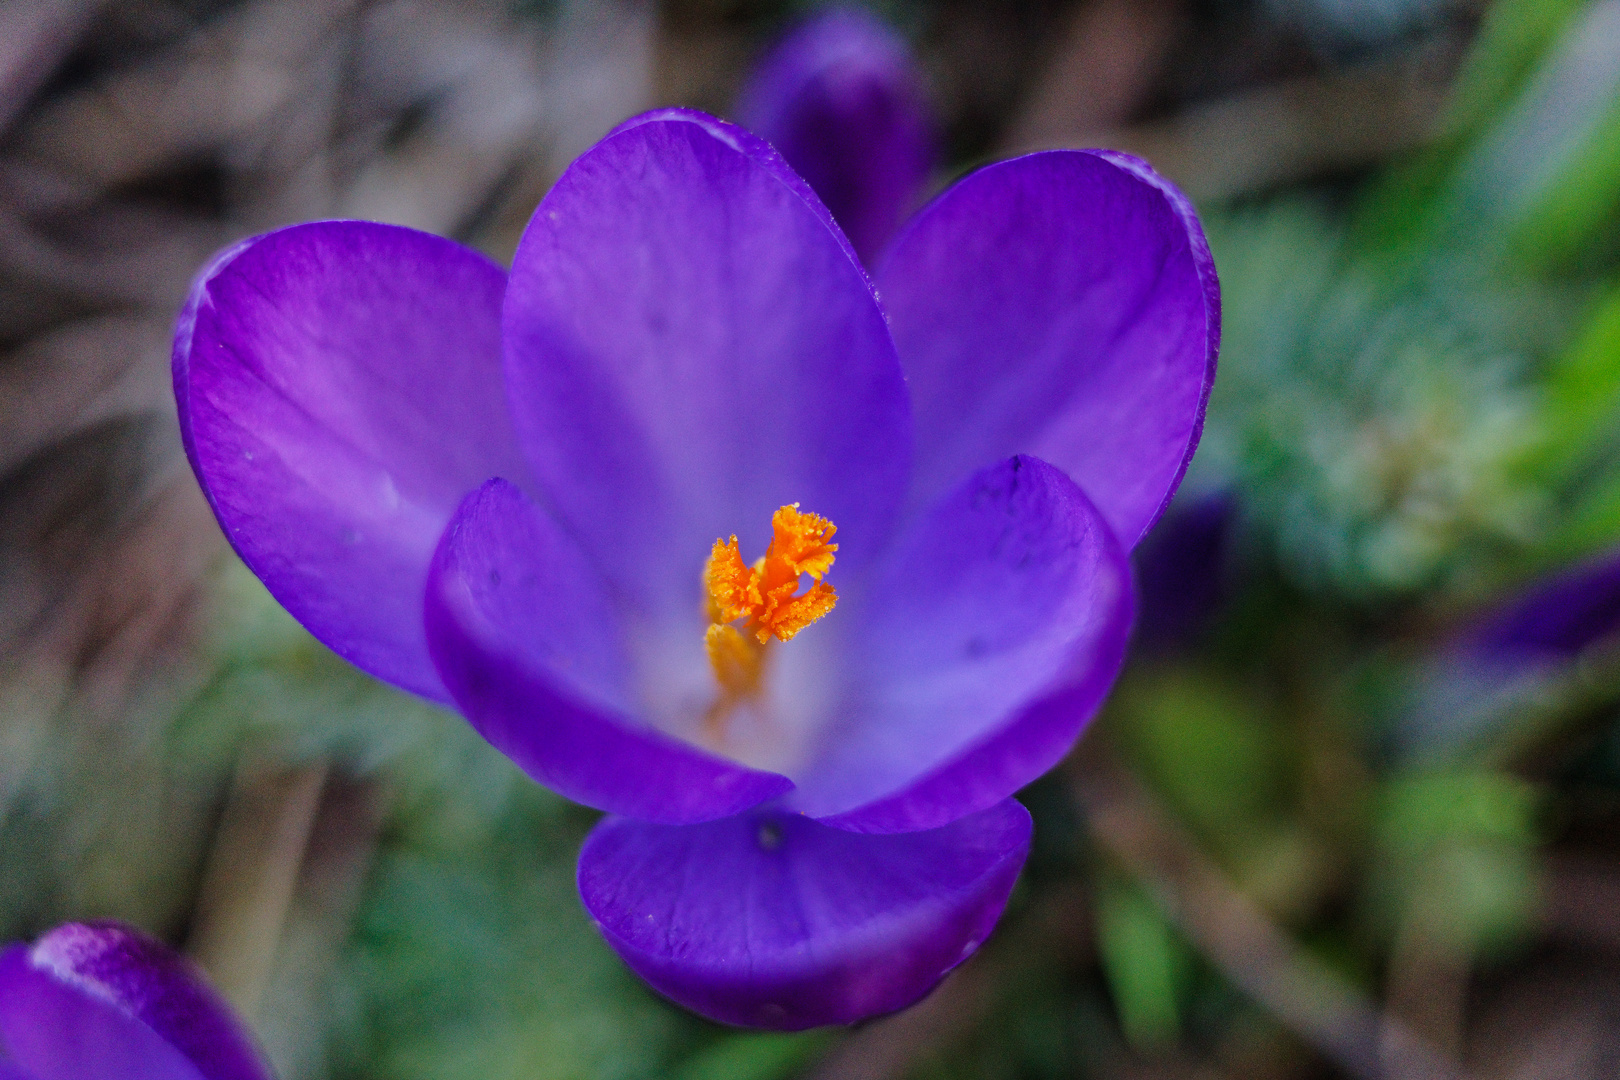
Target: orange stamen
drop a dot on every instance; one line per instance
(767, 596)
(732, 586)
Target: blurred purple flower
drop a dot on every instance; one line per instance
(802, 833)
(841, 100)
(1515, 654)
(102, 1001)
(1182, 571)
(1554, 620)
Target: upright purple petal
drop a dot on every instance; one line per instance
(691, 344)
(842, 101)
(528, 641)
(773, 920)
(987, 640)
(1064, 305)
(340, 390)
(104, 1002)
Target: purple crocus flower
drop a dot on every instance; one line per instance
(841, 100)
(688, 369)
(102, 1001)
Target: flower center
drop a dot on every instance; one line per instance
(765, 598)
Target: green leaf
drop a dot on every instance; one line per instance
(1457, 858)
(1206, 747)
(1145, 962)
(1578, 203)
(1402, 210)
(1591, 525)
(1513, 35)
(1419, 812)
(1583, 392)
(755, 1057)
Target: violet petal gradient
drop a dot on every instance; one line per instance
(105, 1002)
(773, 920)
(840, 98)
(340, 390)
(1062, 304)
(983, 646)
(690, 344)
(525, 636)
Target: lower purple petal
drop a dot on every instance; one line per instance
(774, 920)
(991, 634)
(525, 636)
(105, 1002)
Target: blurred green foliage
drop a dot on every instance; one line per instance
(1146, 963)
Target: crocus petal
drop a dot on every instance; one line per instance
(340, 390)
(1062, 304)
(841, 100)
(101, 1001)
(773, 920)
(526, 638)
(691, 344)
(988, 638)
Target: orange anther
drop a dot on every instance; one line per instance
(802, 542)
(767, 595)
(733, 587)
(792, 614)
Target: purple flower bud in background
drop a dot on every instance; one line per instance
(1511, 655)
(102, 1001)
(841, 99)
(1182, 570)
(1555, 619)
(540, 497)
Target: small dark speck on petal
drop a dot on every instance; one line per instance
(351, 536)
(494, 578)
(769, 836)
(975, 647)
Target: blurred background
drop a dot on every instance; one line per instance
(1354, 807)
